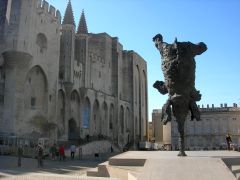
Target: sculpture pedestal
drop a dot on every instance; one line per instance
(155, 165)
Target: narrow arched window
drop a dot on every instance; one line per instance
(42, 42)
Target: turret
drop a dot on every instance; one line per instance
(68, 17)
(82, 27)
(67, 46)
(82, 40)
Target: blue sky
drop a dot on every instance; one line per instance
(135, 22)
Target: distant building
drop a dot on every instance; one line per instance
(208, 133)
(53, 72)
(157, 126)
(150, 131)
(161, 133)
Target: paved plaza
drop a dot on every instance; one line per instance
(198, 165)
(68, 169)
(166, 165)
(131, 165)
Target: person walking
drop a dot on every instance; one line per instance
(40, 155)
(20, 153)
(73, 150)
(61, 153)
(53, 151)
(229, 140)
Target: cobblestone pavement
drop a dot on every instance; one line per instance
(68, 169)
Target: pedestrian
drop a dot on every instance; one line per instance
(87, 136)
(20, 153)
(111, 149)
(40, 155)
(73, 150)
(61, 153)
(229, 140)
(53, 151)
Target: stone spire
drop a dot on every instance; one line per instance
(82, 28)
(68, 17)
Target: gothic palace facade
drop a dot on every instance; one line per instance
(54, 73)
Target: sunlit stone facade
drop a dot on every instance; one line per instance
(210, 132)
(84, 83)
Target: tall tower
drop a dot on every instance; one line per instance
(67, 46)
(82, 46)
(82, 28)
(66, 63)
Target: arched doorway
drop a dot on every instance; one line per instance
(75, 106)
(72, 130)
(36, 90)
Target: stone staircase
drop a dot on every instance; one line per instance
(124, 169)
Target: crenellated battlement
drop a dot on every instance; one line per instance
(223, 107)
(44, 7)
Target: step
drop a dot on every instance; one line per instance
(92, 173)
(126, 162)
(125, 172)
(103, 170)
(100, 171)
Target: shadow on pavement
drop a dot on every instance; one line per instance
(8, 166)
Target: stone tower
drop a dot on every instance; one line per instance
(32, 33)
(67, 59)
(82, 38)
(67, 45)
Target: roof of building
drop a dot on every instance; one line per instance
(82, 27)
(68, 17)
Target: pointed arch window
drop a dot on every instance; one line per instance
(42, 42)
